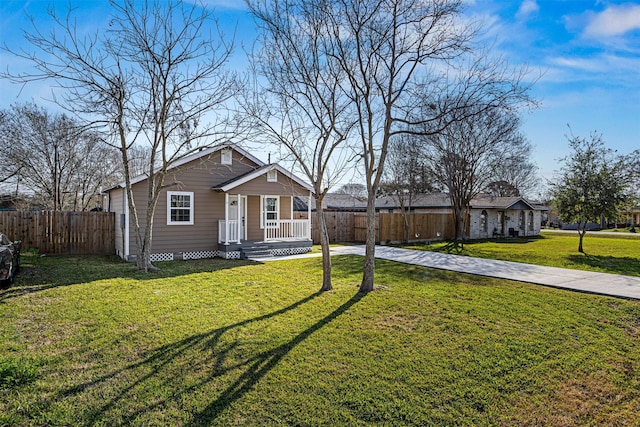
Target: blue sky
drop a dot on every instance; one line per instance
(586, 51)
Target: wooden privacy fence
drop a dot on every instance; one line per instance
(422, 226)
(339, 226)
(352, 227)
(390, 227)
(77, 233)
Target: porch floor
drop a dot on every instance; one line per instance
(250, 248)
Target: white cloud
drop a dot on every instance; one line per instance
(613, 21)
(606, 69)
(527, 8)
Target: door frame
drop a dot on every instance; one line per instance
(243, 217)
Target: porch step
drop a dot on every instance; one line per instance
(255, 252)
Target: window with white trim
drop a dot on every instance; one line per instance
(530, 220)
(270, 209)
(180, 208)
(226, 156)
(272, 175)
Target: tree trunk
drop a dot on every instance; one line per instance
(458, 218)
(407, 225)
(143, 252)
(370, 245)
(324, 244)
(581, 233)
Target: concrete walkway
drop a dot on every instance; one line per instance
(577, 280)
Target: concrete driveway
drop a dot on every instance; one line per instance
(577, 280)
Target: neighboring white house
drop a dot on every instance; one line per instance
(504, 216)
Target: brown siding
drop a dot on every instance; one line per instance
(285, 207)
(284, 187)
(198, 176)
(254, 232)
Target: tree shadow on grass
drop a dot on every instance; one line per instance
(162, 365)
(262, 364)
(610, 264)
(41, 273)
(452, 247)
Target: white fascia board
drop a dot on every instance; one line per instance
(195, 156)
(263, 171)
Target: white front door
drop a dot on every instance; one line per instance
(238, 213)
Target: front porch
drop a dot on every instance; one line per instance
(263, 222)
(251, 249)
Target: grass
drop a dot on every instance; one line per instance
(604, 253)
(621, 230)
(217, 342)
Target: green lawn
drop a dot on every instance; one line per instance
(89, 341)
(604, 253)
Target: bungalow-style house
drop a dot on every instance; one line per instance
(224, 202)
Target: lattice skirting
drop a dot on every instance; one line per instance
(162, 257)
(200, 255)
(226, 255)
(289, 251)
(229, 255)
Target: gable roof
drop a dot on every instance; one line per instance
(195, 156)
(484, 201)
(251, 175)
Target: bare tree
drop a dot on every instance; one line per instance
(383, 46)
(98, 168)
(406, 175)
(354, 189)
(502, 188)
(8, 170)
(516, 175)
(300, 106)
(60, 164)
(147, 80)
(466, 156)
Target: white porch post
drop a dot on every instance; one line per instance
(264, 218)
(226, 218)
(309, 215)
(239, 216)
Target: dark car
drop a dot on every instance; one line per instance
(9, 259)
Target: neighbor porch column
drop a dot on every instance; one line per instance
(239, 216)
(226, 218)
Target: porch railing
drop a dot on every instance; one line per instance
(288, 229)
(285, 229)
(222, 231)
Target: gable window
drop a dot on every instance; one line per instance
(226, 156)
(530, 221)
(270, 208)
(179, 208)
(483, 221)
(272, 175)
(522, 224)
